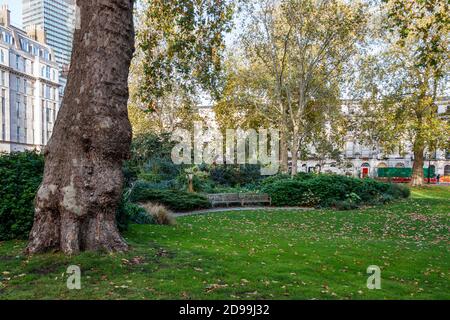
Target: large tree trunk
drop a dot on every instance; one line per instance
(417, 171)
(76, 203)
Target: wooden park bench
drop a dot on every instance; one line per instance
(239, 198)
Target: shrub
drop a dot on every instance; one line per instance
(130, 212)
(146, 148)
(235, 175)
(287, 192)
(399, 190)
(159, 214)
(332, 191)
(173, 199)
(20, 177)
(275, 178)
(159, 169)
(165, 185)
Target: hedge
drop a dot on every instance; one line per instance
(20, 177)
(174, 200)
(331, 191)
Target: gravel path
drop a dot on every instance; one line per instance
(181, 214)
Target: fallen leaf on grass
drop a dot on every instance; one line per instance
(215, 286)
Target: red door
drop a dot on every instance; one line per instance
(365, 172)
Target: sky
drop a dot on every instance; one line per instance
(15, 6)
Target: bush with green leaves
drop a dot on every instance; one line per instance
(174, 200)
(20, 177)
(150, 156)
(332, 191)
(235, 175)
(158, 170)
(130, 212)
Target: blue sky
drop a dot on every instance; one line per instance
(16, 11)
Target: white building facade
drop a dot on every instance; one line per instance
(29, 87)
(363, 160)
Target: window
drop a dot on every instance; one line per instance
(447, 170)
(47, 92)
(18, 109)
(17, 84)
(48, 111)
(3, 80)
(17, 62)
(3, 104)
(18, 134)
(2, 56)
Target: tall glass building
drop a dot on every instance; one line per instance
(57, 18)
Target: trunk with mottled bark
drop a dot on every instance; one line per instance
(76, 203)
(283, 152)
(294, 152)
(417, 171)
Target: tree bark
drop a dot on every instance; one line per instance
(417, 171)
(76, 204)
(283, 152)
(294, 152)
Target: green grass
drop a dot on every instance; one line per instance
(258, 255)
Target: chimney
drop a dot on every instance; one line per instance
(5, 16)
(37, 33)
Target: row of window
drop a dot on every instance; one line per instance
(27, 46)
(48, 116)
(23, 139)
(27, 87)
(27, 66)
(34, 49)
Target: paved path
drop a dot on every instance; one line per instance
(213, 210)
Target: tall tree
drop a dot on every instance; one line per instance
(178, 60)
(76, 203)
(403, 79)
(297, 52)
(182, 42)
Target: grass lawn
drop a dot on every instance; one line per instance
(258, 255)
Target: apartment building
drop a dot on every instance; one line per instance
(29, 87)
